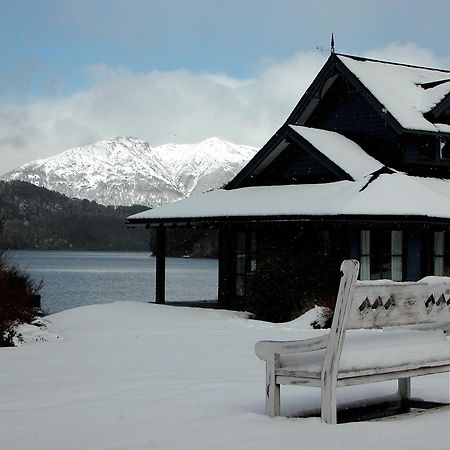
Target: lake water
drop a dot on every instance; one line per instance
(74, 279)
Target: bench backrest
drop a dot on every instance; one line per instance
(383, 303)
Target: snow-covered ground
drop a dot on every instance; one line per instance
(143, 376)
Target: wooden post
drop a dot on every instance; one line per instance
(404, 389)
(224, 291)
(160, 295)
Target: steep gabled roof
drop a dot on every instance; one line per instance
(341, 156)
(343, 152)
(407, 92)
(406, 96)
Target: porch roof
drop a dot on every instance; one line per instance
(382, 193)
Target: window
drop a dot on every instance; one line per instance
(397, 255)
(240, 264)
(427, 148)
(381, 255)
(441, 254)
(364, 272)
(245, 259)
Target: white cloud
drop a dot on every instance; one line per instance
(159, 107)
(409, 54)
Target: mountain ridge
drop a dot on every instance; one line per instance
(124, 170)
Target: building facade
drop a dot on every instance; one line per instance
(360, 169)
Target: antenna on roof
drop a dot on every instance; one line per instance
(332, 43)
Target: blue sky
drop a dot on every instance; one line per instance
(73, 72)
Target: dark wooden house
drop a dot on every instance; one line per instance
(360, 169)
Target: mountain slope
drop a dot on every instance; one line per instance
(126, 170)
(37, 218)
(40, 219)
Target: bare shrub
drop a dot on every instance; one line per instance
(19, 299)
(282, 289)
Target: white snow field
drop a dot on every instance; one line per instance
(143, 376)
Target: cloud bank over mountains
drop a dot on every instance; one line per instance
(170, 106)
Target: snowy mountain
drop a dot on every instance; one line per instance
(125, 170)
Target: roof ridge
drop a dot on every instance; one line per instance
(362, 58)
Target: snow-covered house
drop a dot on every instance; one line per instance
(361, 169)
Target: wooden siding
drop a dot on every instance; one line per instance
(293, 166)
(421, 156)
(346, 111)
(444, 117)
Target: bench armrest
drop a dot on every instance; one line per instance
(264, 348)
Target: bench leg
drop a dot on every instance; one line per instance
(272, 391)
(328, 402)
(404, 388)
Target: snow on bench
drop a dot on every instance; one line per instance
(385, 352)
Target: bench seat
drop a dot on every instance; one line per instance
(366, 349)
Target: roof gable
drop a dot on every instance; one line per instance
(404, 96)
(346, 154)
(322, 156)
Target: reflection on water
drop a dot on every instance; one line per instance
(74, 279)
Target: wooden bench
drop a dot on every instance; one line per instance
(419, 347)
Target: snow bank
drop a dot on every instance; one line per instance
(144, 376)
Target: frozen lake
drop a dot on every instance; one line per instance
(74, 279)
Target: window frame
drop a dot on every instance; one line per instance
(396, 255)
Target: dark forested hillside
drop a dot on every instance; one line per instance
(37, 218)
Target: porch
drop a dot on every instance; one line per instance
(401, 250)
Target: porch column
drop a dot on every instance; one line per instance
(224, 294)
(160, 295)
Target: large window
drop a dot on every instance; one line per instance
(381, 255)
(397, 255)
(364, 272)
(441, 254)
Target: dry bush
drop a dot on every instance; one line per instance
(19, 299)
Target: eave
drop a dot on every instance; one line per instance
(347, 218)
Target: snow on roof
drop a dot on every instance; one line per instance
(345, 153)
(393, 194)
(407, 92)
